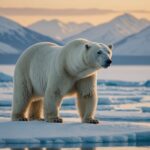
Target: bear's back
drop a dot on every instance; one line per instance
(38, 50)
(37, 53)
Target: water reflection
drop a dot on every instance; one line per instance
(36, 148)
(79, 146)
(84, 148)
(90, 146)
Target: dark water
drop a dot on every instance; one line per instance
(79, 146)
(117, 60)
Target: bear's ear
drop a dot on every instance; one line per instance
(110, 46)
(87, 46)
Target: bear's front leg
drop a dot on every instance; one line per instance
(87, 106)
(87, 99)
(52, 103)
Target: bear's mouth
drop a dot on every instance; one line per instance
(107, 63)
(106, 66)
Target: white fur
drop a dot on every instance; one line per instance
(50, 72)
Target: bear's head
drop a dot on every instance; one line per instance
(98, 54)
(84, 56)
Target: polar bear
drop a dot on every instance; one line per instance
(46, 73)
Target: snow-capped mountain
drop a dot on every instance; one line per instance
(15, 38)
(134, 45)
(5, 48)
(58, 29)
(113, 31)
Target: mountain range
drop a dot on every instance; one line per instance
(129, 35)
(15, 38)
(136, 45)
(114, 30)
(58, 29)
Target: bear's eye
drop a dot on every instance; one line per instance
(99, 52)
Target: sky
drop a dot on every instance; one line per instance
(94, 11)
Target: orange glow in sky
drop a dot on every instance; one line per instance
(130, 6)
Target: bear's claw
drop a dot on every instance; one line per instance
(57, 120)
(38, 119)
(22, 119)
(41, 119)
(92, 121)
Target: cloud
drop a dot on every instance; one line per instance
(140, 11)
(61, 12)
(53, 12)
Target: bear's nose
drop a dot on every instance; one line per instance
(109, 61)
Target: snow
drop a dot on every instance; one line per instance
(6, 26)
(5, 78)
(135, 45)
(5, 48)
(123, 111)
(14, 36)
(125, 73)
(58, 29)
(123, 83)
(125, 115)
(76, 132)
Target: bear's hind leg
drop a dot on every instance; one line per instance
(36, 110)
(21, 100)
(19, 109)
(52, 104)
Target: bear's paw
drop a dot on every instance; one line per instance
(92, 121)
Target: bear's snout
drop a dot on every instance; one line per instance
(108, 62)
